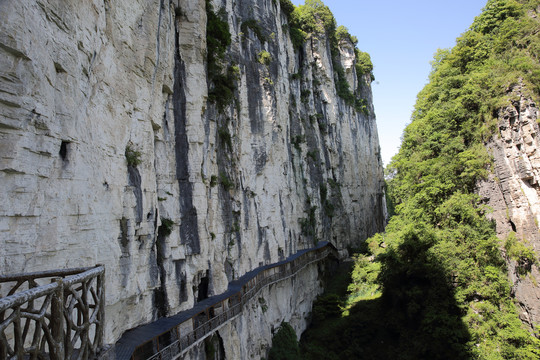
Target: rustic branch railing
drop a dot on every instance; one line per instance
(175, 341)
(59, 320)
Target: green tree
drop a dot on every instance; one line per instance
(284, 344)
(315, 17)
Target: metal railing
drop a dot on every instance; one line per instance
(62, 319)
(173, 342)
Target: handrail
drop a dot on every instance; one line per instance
(43, 274)
(60, 320)
(173, 342)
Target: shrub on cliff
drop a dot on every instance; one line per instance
(342, 33)
(284, 344)
(218, 38)
(314, 17)
(363, 64)
(287, 7)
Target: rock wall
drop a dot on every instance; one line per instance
(114, 149)
(513, 192)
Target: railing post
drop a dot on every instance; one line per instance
(100, 326)
(57, 321)
(19, 343)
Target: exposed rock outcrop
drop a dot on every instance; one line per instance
(114, 150)
(513, 192)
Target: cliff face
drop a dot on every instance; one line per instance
(513, 192)
(115, 150)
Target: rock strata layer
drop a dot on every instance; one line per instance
(513, 192)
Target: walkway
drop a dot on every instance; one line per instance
(168, 337)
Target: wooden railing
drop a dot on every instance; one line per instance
(175, 341)
(61, 319)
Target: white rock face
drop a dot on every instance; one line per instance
(513, 192)
(81, 81)
(283, 165)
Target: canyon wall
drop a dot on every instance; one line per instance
(513, 194)
(119, 147)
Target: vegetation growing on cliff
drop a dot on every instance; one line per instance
(133, 157)
(221, 78)
(434, 285)
(314, 18)
(284, 344)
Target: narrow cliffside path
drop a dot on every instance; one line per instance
(127, 344)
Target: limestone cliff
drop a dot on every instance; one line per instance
(513, 192)
(118, 147)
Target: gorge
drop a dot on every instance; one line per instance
(180, 179)
(182, 144)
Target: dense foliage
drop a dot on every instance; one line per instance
(287, 7)
(284, 344)
(435, 285)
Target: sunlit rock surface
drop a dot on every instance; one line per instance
(208, 193)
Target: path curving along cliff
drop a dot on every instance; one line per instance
(173, 336)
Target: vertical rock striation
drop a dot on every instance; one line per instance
(117, 147)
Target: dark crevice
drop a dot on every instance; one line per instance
(125, 258)
(124, 241)
(213, 348)
(181, 279)
(202, 289)
(189, 234)
(160, 294)
(59, 68)
(135, 181)
(514, 229)
(158, 43)
(64, 147)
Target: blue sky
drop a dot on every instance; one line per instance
(401, 37)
